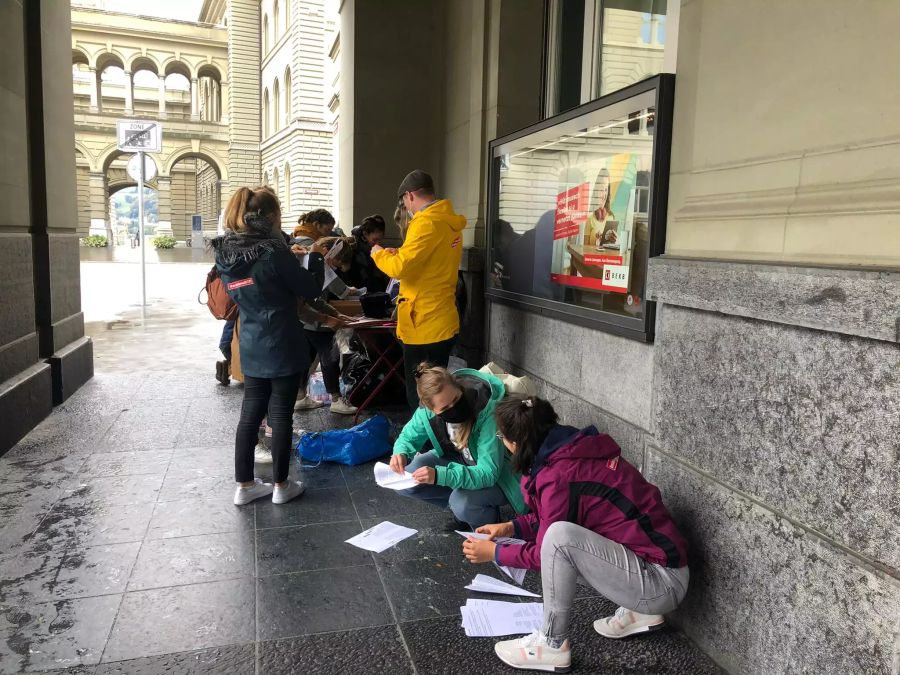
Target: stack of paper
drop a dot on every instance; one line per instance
(489, 618)
(517, 574)
(485, 584)
(386, 477)
(381, 537)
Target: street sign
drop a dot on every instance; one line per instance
(134, 168)
(138, 136)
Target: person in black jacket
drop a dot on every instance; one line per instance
(363, 273)
(265, 280)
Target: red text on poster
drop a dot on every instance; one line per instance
(571, 211)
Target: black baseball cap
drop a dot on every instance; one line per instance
(415, 181)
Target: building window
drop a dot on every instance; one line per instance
(276, 107)
(287, 97)
(287, 15)
(286, 207)
(265, 35)
(265, 114)
(275, 181)
(596, 47)
(275, 27)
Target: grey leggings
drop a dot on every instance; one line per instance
(570, 552)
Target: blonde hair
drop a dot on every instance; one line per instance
(430, 381)
(261, 200)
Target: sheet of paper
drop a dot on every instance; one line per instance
(485, 584)
(381, 537)
(517, 574)
(330, 275)
(491, 618)
(386, 478)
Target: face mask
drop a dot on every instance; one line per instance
(459, 412)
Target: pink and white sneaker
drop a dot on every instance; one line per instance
(533, 652)
(627, 622)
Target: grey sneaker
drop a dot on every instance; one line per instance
(262, 455)
(291, 491)
(307, 403)
(342, 406)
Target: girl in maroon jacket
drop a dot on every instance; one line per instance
(592, 516)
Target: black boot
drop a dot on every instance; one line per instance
(223, 369)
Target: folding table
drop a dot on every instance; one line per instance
(390, 357)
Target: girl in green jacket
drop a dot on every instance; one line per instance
(467, 468)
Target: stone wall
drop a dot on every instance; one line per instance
(775, 446)
(44, 356)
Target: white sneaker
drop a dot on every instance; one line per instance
(533, 652)
(245, 495)
(286, 494)
(626, 622)
(262, 455)
(342, 406)
(307, 403)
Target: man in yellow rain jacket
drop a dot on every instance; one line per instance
(427, 266)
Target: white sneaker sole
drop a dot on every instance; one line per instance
(545, 668)
(600, 627)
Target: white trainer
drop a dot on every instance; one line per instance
(307, 403)
(291, 491)
(533, 652)
(627, 622)
(245, 495)
(342, 406)
(262, 455)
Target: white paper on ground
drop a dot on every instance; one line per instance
(485, 584)
(517, 574)
(492, 618)
(381, 537)
(387, 478)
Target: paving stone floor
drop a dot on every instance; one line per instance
(121, 552)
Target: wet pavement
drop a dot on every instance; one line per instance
(122, 551)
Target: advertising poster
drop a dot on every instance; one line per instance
(593, 225)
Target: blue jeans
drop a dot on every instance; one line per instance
(225, 340)
(475, 507)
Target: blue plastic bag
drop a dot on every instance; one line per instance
(361, 444)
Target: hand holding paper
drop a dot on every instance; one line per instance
(388, 478)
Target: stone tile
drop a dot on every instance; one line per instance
(804, 420)
(326, 600)
(213, 461)
(173, 386)
(439, 646)
(196, 484)
(50, 635)
(842, 615)
(366, 651)
(113, 490)
(126, 463)
(194, 515)
(195, 559)
(231, 659)
(95, 570)
(95, 524)
(424, 589)
(141, 430)
(210, 423)
(310, 547)
(313, 506)
(361, 475)
(378, 502)
(184, 618)
(435, 537)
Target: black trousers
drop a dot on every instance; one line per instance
(275, 398)
(322, 343)
(436, 353)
